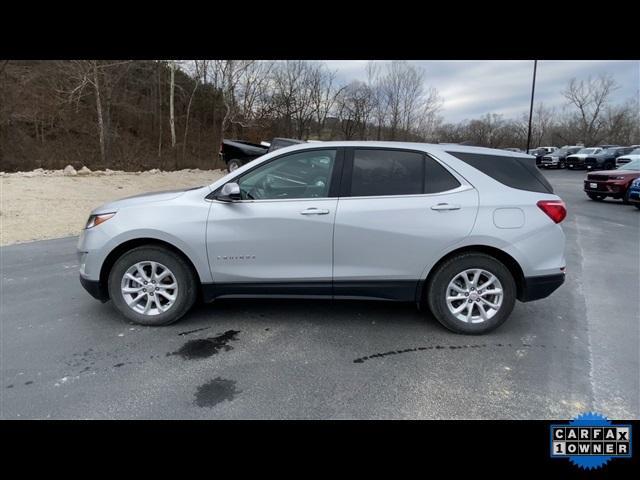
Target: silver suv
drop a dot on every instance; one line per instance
(464, 231)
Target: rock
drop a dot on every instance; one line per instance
(108, 171)
(153, 171)
(84, 171)
(69, 171)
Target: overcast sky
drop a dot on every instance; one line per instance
(472, 88)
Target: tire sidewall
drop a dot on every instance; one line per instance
(446, 273)
(234, 162)
(181, 271)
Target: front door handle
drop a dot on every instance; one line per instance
(314, 211)
(445, 206)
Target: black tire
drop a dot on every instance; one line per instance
(437, 292)
(562, 164)
(637, 205)
(233, 164)
(625, 197)
(181, 270)
(596, 197)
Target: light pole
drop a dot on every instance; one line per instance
(533, 90)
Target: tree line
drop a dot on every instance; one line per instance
(132, 115)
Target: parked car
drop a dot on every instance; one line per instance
(606, 159)
(634, 193)
(538, 153)
(513, 149)
(464, 231)
(558, 158)
(612, 183)
(576, 160)
(633, 155)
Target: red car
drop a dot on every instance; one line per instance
(612, 183)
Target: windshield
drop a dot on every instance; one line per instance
(635, 152)
(588, 150)
(560, 151)
(632, 165)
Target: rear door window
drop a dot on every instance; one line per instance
(387, 172)
(436, 178)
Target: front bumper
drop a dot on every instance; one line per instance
(604, 188)
(536, 288)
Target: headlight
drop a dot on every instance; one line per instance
(619, 178)
(95, 220)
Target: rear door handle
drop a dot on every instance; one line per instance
(445, 206)
(314, 211)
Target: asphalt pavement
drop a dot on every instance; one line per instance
(64, 355)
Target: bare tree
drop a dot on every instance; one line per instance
(200, 67)
(91, 74)
(172, 88)
(590, 98)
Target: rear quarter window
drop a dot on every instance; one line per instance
(514, 172)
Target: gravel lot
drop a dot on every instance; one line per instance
(47, 204)
(65, 355)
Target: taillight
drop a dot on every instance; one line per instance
(555, 209)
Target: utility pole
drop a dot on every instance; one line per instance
(533, 90)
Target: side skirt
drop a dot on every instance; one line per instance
(393, 290)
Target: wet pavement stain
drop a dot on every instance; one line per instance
(441, 347)
(117, 365)
(10, 386)
(193, 331)
(216, 391)
(206, 347)
(29, 382)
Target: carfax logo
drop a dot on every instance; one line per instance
(590, 440)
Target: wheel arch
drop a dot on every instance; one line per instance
(511, 263)
(128, 245)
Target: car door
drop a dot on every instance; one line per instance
(281, 230)
(398, 210)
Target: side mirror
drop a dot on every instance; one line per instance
(229, 193)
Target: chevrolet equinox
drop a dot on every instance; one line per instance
(463, 231)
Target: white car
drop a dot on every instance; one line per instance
(634, 155)
(464, 231)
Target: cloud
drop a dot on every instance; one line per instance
(472, 88)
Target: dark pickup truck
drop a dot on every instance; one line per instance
(236, 153)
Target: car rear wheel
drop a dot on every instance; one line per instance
(472, 293)
(233, 164)
(151, 285)
(596, 197)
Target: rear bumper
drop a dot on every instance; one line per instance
(535, 288)
(95, 289)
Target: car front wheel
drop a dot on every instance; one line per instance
(472, 293)
(151, 285)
